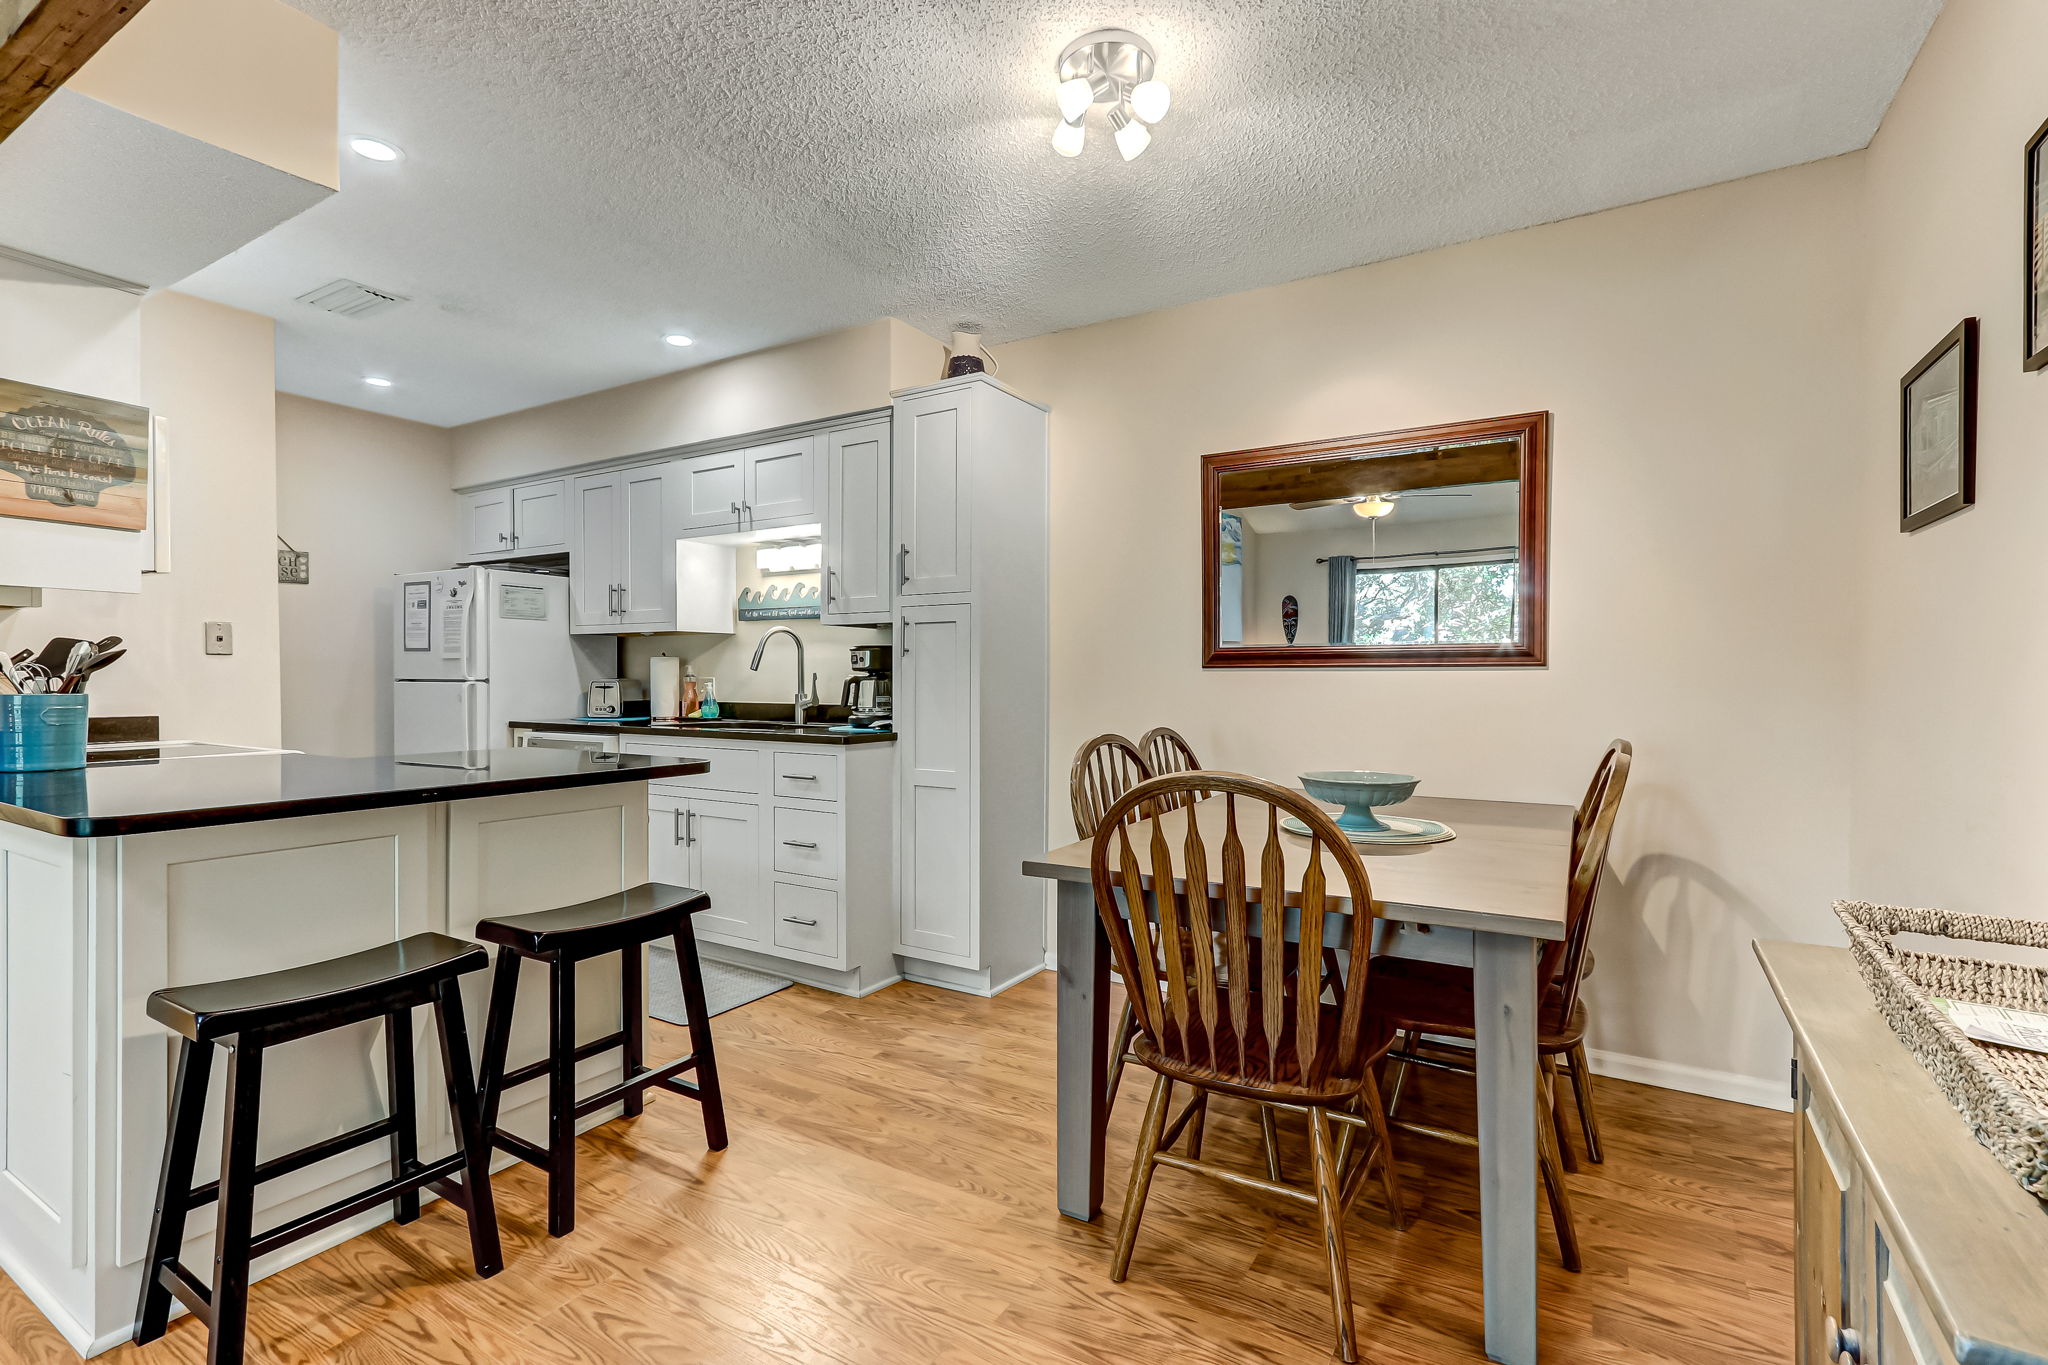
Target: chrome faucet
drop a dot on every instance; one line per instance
(804, 700)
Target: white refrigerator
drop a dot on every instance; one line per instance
(476, 649)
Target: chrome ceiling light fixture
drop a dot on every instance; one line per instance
(1113, 67)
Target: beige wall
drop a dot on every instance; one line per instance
(367, 496)
(844, 371)
(207, 370)
(1950, 803)
(253, 76)
(1699, 353)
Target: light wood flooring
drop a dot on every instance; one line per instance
(887, 1200)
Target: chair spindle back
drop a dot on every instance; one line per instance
(1104, 769)
(1217, 867)
(1167, 751)
(1564, 962)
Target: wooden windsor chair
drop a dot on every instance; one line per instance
(1212, 867)
(1424, 1000)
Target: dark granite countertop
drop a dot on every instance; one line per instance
(229, 789)
(733, 728)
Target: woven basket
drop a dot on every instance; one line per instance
(2002, 1091)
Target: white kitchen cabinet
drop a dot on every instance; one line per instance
(859, 554)
(762, 487)
(709, 490)
(785, 484)
(524, 520)
(540, 517)
(622, 566)
(935, 743)
(934, 492)
(970, 507)
(487, 524)
(793, 844)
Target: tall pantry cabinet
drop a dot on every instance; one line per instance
(969, 505)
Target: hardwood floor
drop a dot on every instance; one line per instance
(887, 1200)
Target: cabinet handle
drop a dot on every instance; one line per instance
(902, 566)
(829, 572)
(801, 777)
(903, 641)
(503, 538)
(679, 825)
(1844, 1345)
(806, 923)
(689, 827)
(798, 843)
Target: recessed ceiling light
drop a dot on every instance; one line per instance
(376, 381)
(678, 339)
(371, 149)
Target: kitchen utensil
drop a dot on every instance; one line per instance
(92, 666)
(1358, 793)
(111, 642)
(56, 653)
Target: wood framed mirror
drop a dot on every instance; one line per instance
(1420, 548)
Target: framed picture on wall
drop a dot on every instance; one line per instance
(1938, 431)
(2036, 311)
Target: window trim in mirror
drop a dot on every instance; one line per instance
(1531, 429)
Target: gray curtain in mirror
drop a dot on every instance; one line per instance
(1343, 589)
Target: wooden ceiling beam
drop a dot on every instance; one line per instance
(1358, 476)
(57, 38)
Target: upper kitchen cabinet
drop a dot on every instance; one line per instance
(758, 488)
(860, 587)
(934, 492)
(515, 523)
(622, 562)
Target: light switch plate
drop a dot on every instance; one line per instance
(220, 637)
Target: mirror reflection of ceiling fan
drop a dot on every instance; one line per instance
(1375, 505)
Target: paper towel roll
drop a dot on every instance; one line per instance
(665, 687)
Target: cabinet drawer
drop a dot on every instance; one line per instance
(812, 775)
(733, 769)
(807, 842)
(807, 919)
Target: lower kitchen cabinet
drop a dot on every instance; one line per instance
(793, 843)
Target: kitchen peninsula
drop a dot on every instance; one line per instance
(123, 877)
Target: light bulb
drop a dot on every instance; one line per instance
(1075, 97)
(677, 339)
(1149, 100)
(1132, 139)
(371, 149)
(376, 381)
(1374, 507)
(1068, 138)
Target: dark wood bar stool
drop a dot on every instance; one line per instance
(619, 923)
(247, 1016)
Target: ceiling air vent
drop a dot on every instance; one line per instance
(350, 299)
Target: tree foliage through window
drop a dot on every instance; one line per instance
(1443, 604)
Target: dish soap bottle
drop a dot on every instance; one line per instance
(688, 706)
(707, 705)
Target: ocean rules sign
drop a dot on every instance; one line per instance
(66, 457)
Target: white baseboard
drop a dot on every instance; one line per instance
(1694, 1080)
(965, 980)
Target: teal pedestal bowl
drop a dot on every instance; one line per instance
(1358, 793)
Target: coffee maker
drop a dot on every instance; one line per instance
(866, 692)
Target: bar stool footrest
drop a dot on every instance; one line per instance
(640, 1080)
(187, 1289)
(304, 1157)
(326, 1217)
(533, 1071)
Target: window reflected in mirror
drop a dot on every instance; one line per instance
(1416, 547)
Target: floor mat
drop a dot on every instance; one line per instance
(726, 987)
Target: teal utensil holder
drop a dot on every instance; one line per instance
(40, 732)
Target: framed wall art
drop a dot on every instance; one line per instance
(1938, 431)
(72, 458)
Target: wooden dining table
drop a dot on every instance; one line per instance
(1490, 897)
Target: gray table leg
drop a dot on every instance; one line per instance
(1504, 977)
(1083, 1050)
